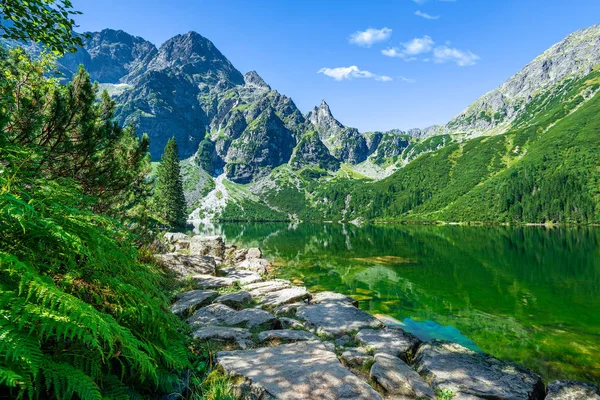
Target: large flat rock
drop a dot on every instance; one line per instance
(396, 377)
(242, 337)
(572, 390)
(235, 300)
(336, 318)
(213, 282)
(244, 277)
(261, 288)
(290, 335)
(332, 297)
(185, 265)
(221, 315)
(296, 371)
(392, 341)
(259, 265)
(188, 302)
(284, 296)
(472, 375)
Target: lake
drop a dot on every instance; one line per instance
(526, 294)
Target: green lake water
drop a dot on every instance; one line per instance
(526, 294)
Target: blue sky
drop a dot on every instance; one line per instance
(422, 62)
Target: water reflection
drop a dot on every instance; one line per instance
(528, 294)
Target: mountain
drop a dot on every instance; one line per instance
(538, 164)
(188, 89)
(528, 90)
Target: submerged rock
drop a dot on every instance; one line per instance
(296, 371)
(188, 302)
(336, 319)
(396, 377)
(392, 341)
(472, 375)
(571, 390)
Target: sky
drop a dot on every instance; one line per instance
(379, 64)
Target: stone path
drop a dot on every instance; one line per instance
(297, 345)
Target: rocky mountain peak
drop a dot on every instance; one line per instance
(253, 79)
(322, 118)
(194, 54)
(573, 57)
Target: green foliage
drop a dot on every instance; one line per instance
(46, 21)
(168, 200)
(444, 394)
(71, 293)
(82, 315)
(204, 156)
(69, 134)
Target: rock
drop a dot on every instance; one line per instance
(471, 375)
(208, 281)
(342, 341)
(188, 302)
(241, 336)
(207, 246)
(356, 356)
(239, 255)
(296, 371)
(284, 296)
(186, 265)
(290, 323)
(172, 237)
(244, 277)
(253, 252)
(219, 314)
(289, 335)
(571, 390)
(254, 318)
(287, 308)
(234, 300)
(392, 341)
(396, 377)
(214, 314)
(332, 297)
(259, 289)
(259, 265)
(336, 319)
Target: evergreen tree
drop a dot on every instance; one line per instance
(169, 202)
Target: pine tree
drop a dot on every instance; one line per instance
(169, 201)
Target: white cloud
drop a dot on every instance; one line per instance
(343, 73)
(412, 48)
(407, 80)
(370, 36)
(444, 54)
(425, 15)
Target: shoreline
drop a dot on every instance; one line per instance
(357, 344)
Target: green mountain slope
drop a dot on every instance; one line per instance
(545, 170)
